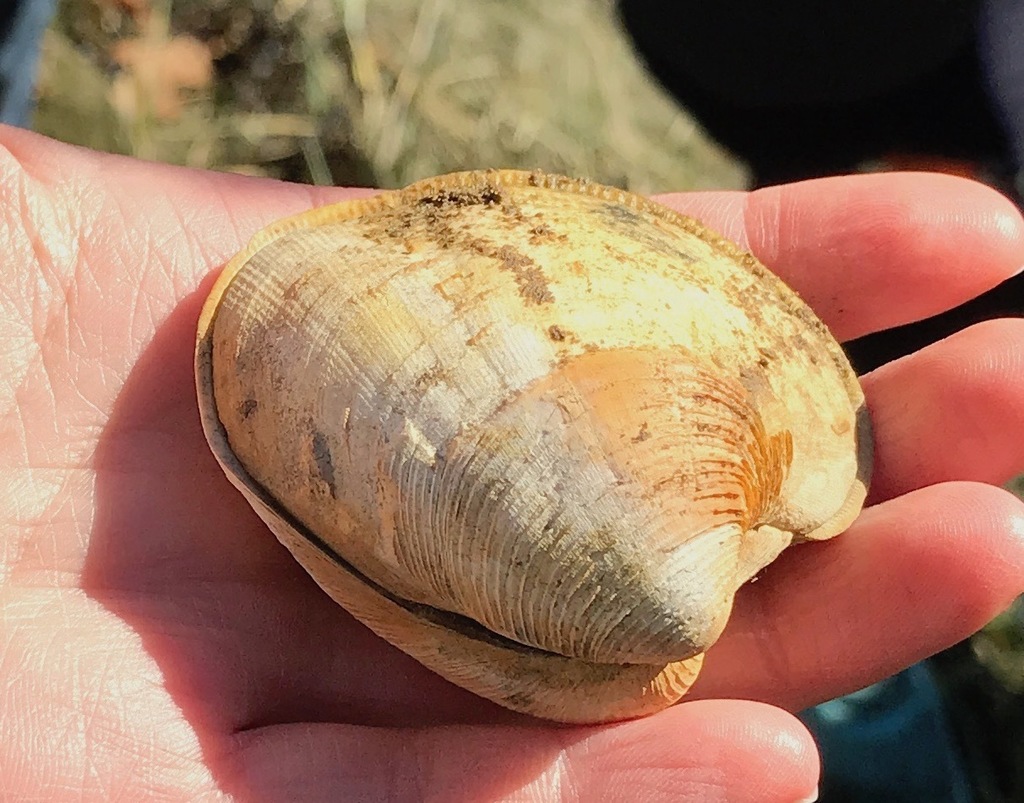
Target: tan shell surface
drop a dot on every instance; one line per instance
(533, 431)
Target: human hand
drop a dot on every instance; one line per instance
(158, 642)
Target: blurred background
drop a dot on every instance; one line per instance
(381, 93)
(377, 93)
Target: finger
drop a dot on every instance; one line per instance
(713, 750)
(874, 251)
(950, 411)
(912, 576)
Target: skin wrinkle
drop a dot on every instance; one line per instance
(34, 163)
(35, 447)
(766, 640)
(762, 223)
(93, 415)
(140, 312)
(93, 765)
(147, 310)
(566, 784)
(36, 243)
(555, 781)
(46, 226)
(113, 703)
(38, 559)
(57, 317)
(60, 319)
(17, 339)
(239, 232)
(147, 264)
(21, 435)
(236, 230)
(622, 764)
(726, 208)
(11, 376)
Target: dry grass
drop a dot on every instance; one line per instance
(352, 92)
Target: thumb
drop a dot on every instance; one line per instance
(705, 750)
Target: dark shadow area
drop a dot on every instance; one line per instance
(803, 90)
(151, 555)
(987, 718)
(869, 352)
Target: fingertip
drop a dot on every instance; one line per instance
(930, 204)
(873, 251)
(985, 225)
(990, 222)
(1008, 225)
(996, 214)
(975, 549)
(715, 749)
(978, 539)
(999, 534)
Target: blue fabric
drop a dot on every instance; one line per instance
(891, 741)
(24, 22)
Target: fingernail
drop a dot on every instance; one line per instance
(811, 798)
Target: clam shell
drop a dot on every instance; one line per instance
(533, 431)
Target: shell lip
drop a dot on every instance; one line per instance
(458, 623)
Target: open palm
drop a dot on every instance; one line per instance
(158, 643)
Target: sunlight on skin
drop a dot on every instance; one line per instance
(159, 643)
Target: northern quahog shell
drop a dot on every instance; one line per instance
(533, 431)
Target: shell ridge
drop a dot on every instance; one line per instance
(450, 619)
